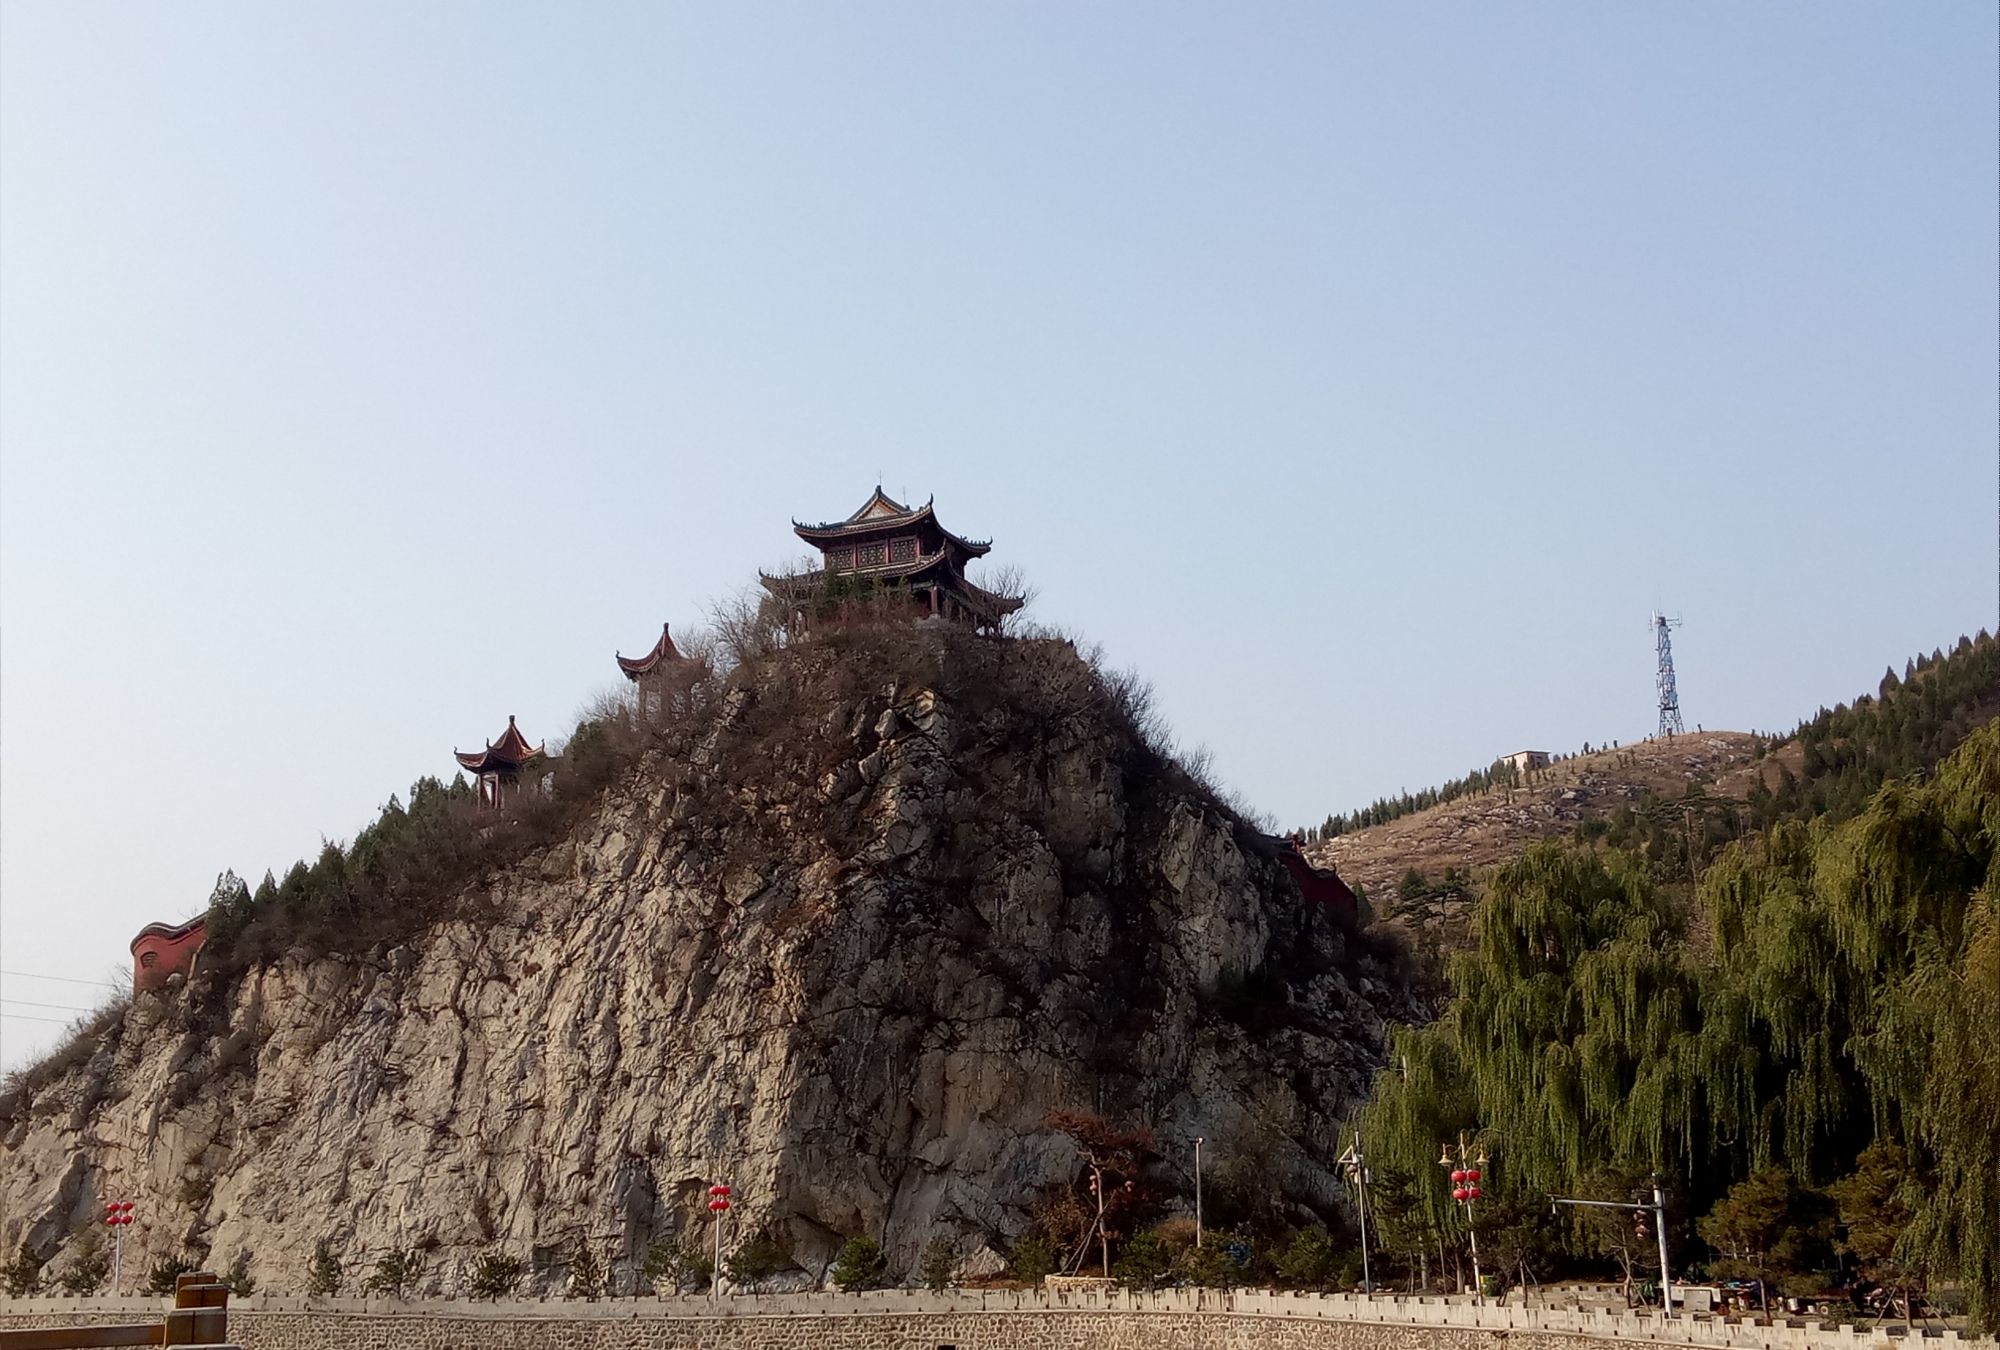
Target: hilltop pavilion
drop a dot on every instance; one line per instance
(887, 546)
(498, 767)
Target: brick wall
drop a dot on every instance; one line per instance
(908, 1320)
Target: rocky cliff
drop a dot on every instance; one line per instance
(844, 945)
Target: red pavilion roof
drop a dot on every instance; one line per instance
(881, 514)
(508, 753)
(663, 650)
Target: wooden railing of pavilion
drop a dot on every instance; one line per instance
(200, 1316)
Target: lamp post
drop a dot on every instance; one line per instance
(1197, 1190)
(718, 1205)
(117, 1215)
(1465, 1191)
(1357, 1176)
(1658, 1209)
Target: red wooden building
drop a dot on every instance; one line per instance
(165, 949)
(497, 768)
(887, 546)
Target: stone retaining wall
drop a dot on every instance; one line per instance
(970, 1320)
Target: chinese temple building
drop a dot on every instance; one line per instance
(664, 652)
(498, 767)
(889, 546)
(163, 950)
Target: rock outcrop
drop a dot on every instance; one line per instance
(846, 954)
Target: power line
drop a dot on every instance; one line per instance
(23, 1017)
(60, 1007)
(64, 979)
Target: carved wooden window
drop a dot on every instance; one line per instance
(870, 555)
(839, 559)
(903, 550)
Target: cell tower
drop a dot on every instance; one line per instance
(1670, 699)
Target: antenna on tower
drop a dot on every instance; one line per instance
(1670, 699)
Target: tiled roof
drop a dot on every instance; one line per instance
(663, 650)
(511, 751)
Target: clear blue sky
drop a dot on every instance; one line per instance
(1363, 373)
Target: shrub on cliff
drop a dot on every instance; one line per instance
(679, 1265)
(939, 1265)
(754, 1262)
(22, 1275)
(1032, 1260)
(89, 1266)
(238, 1277)
(396, 1272)
(160, 1279)
(586, 1272)
(494, 1275)
(323, 1273)
(860, 1265)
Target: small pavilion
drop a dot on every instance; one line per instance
(497, 768)
(638, 668)
(887, 546)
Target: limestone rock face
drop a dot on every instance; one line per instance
(850, 973)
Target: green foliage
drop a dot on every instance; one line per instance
(1875, 1212)
(22, 1275)
(1499, 774)
(397, 1271)
(1822, 980)
(680, 1264)
(323, 1272)
(586, 1272)
(1145, 1260)
(754, 1262)
(160, 1279)
(860, 1265)
(1221, 1260)
(1310, 1261)
(238, 1277)
(940, 1263)
(1768, 1227)
(1031, 1261)
(494, 1275)
(89, 1266)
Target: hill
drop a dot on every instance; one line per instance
(842, 926)
(1678, 801)
(1488, 826)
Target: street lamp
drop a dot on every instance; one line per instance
(718, 1205)
(1358, 1177)
(117, 1215)
(1465, 1191)
(1197, 1190)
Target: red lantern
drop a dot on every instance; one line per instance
(1458, 1194)
(718, 1189)
(1472, 1174)
(1472, 1193)
(1457, 1176)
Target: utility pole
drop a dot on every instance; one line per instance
(1357, 1174)
(1657, 1207)
(1197, 1191)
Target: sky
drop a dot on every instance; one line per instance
(1363, 374)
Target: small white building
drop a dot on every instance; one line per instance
(1524, 760)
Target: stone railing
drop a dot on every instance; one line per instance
(1175, 1317)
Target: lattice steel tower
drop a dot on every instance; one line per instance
(1670, 699)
